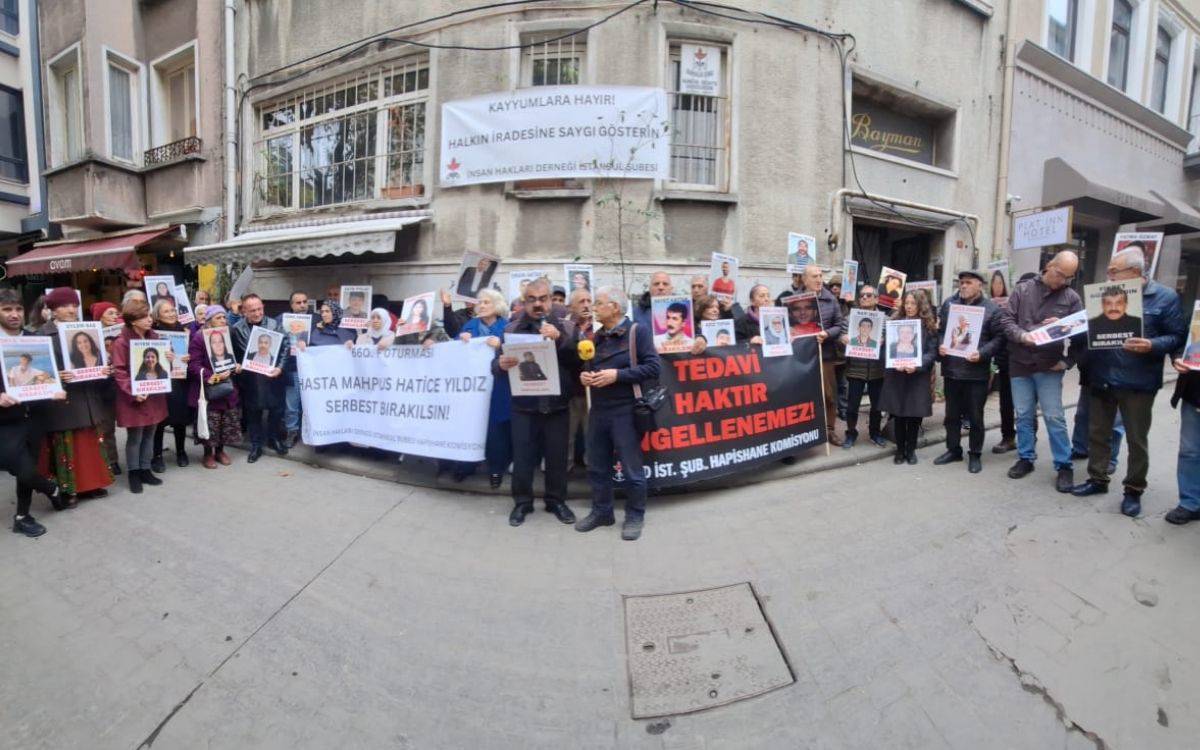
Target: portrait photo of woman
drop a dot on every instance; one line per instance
(162, 291)
(84, 352)
(151, 368)
(218, 351)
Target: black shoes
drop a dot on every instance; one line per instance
(148, 477)
(1065, 481)
(28, 526)
(948, 457)
(517, 517)
(135, 481)
(255, 454)
(898, 458)
(181, 460)
(848, 441)
(593, 520)
(1180, 515)
(494, 480)
(280, 448)
(115, 468)
(1021, 468)
(1089, 488)
(93, 494)
(879, 441)
(561, 512)
(974, 463)
(911, 458)
(156, 464)
(1004, 446)
(292, 438)
(55, 496)
(631, 529)
(1131, 504)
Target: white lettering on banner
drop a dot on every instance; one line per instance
(400, 399)
(558, 132)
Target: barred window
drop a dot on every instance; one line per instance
(699, 128)
(353, 140)
(552, 61)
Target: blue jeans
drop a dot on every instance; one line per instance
(291, 414)
(1079, 435)
(1044, 389)
(611, 434)
(1188, 471)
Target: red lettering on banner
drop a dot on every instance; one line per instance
(734, 428)
(709, 368)
(720, 399)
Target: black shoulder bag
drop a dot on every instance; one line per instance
(645, 406)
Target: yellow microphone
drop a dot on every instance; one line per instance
(587, 351)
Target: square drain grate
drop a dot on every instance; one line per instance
(699, 649)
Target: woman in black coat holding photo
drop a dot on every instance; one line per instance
(905, 395)
(179, 413)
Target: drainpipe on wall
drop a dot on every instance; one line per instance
(39, 221)
(230, 125)
(1000, 230)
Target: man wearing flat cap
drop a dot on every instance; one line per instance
(966, 378)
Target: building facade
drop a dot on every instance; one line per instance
(1105, 114)
(891, 158)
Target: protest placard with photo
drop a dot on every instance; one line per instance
(929, 287)
(673, 330)
(997, 285)
(220, 349)
(518, 280)
(30, 371)
(262, 350)
(718, 332)
(148, 363)
(804, 316)
(297, 327)
(356, 306)
(1148, 242)
(1114, 311)
(536, 373)
(904, 343)
(723, 277)
(578, 276)
(82, 346)
(417, 314)
(178, 341)
(891, 287)
(182, 306)
(963, 329)
(1072, 325)
(160, 288)
(1191, 350)
(110, 335)
(772, 327)
(801, 250)
(849, 279)
(865, 329)
(474, 274)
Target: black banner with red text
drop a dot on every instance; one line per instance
(731, 410)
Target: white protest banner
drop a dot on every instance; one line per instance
(699, 70)
(407, 399)
(556, 132)
(1042, 228)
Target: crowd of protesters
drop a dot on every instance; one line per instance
(66, 448)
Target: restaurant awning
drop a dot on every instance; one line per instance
(69, 256)
(352, 237)
(1180, 218)
(1064, 184)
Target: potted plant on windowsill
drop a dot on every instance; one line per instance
(404, 191)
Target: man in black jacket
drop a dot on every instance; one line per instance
(260, 394)
(540, 424)
(966, 378)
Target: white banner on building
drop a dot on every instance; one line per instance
(550, 132)
(407, 399)
(699, 70)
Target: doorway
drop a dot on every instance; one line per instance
(904, 248)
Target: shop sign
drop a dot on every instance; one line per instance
(887, 131)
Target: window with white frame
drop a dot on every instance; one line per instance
(1063, 18)
(13, 163)
(553, 58)
(65, 108)
(1162, 68)
(699, 122)
(173, 96)
(10, 17)
(122, 105)
(1118, 44)
(352, 140)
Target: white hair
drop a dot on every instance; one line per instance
(614, 294)
(499, 304)
(576, 293)
(158, 307)
(133, 294)
(1134, 258)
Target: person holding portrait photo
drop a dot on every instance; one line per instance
(224, 415)
(179, 413)
(262, 395)
(139, 414)
(905, 395)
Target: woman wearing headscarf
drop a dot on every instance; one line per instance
(377, 334)
(179, 413)
(107, 314)
(72, 452)
(139, 414)
(326, 331)
(224, 412)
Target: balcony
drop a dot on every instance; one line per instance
(172, 152)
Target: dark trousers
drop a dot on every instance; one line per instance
(17, 458)
(829, 386)
(907, 430)
(499, 450)
(254, 425)
(1008, 413)
(611, 437)
(1136, 410)
(856, 388)
(536, 436)
(843, 391)
(965, 400)
(180, 432)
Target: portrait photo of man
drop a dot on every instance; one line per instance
(529, 369)
(475, 278)
(675, 337)
(1114, 324)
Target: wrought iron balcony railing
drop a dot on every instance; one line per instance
(172, 151)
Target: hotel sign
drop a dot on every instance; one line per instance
(1042, 228)
(886, 131)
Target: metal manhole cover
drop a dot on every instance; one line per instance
(699, 649)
